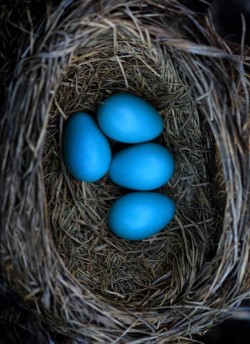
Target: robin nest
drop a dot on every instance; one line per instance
(57, 250)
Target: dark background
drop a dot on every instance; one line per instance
(227, 17)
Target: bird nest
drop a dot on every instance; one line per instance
(57, 251)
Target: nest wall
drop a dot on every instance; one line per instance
(56, 249)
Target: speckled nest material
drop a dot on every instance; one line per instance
(56, 250)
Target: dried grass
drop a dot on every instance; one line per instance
(57, 249)
(148, 273)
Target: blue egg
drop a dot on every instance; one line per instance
(144, 166)
(86, 151)
(129, 119)
(139, 215)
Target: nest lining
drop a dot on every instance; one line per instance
(149, 273)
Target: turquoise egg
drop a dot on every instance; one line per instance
(144, 166)
(139, 215)
(129, 119)
(86, 151)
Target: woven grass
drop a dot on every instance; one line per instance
(57, 251)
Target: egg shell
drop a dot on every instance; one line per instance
(86, 151)
(139, 215)
(144, 166)
(129, 119)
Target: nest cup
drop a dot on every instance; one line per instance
(57, 250)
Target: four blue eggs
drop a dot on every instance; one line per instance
(140, 166)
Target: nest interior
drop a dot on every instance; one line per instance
(148, 273)
(56, 250)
